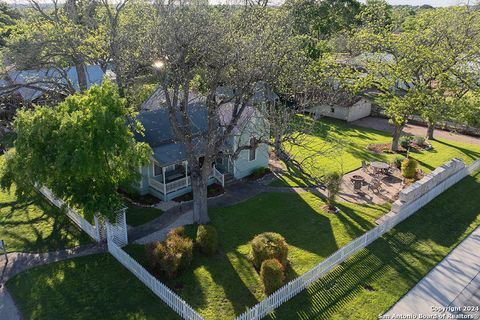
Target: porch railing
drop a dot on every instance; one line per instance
(219, 176)
(171, 186)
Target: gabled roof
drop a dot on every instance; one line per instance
(155, 118)
(51, 79)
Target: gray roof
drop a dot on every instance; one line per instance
(155, 118)
(171, 153)
(50, 79)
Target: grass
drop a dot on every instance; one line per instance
(372, 281)
(33, 225)
(92, 287)
(345, 148)
(138, 215)
(225, 284)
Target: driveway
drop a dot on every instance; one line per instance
(383, 125)
(444, 284)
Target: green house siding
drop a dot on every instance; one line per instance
(244, 167)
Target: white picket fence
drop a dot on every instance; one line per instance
(297, 285)
(161, 290)
(92, 231)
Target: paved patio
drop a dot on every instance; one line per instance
(390, 187)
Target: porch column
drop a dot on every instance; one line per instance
(164, 182)
(185, 164)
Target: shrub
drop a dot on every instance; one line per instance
(419, 140)
(397, 162)
(269, 245)
(333, 181)
(272, 274)
(207, 239)
(170, 256)
(179, 231)
(409, 168)
(259, 172)
(406, 141)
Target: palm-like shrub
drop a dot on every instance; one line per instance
(333, 181)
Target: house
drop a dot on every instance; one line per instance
(167, 175)
(31, 86)
(346, 110)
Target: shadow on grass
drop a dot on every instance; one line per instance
(471, 154)
(32, 224)
(371, 281)
(92, 287)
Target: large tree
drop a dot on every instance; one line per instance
(220, 48)
(83, 150)
(63, 36)
(421, 71)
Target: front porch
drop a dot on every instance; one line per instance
(168, 182)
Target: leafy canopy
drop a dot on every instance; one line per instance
(83, 150)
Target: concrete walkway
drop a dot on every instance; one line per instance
(20, 261)
(444, 284)
(383, 125)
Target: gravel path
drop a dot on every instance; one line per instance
(383, 125)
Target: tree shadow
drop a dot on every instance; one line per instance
(474, 155)
(31, 224)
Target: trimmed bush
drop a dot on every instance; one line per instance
(207, 239)
(409, 168)
(179, 231)
(171, 256)
(269, 245)
(397, 162)
(406, 141)
(272, 274)
(419, 141)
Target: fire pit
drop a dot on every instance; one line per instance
(357, 182)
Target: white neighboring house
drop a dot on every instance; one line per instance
(360, 108)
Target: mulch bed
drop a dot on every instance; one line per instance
(255, 177)
(213, 190)
(387, 148)
(146, 200)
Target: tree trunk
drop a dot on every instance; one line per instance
(81, 75)
(199, 190)
(278, 146)
(430, 130)
(396, 136)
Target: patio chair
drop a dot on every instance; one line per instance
(376, 184)
(364, 166)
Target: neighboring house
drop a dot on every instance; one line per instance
(34, 86)
(348, 111)
(168, 176)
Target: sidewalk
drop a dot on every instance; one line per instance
(444, 283)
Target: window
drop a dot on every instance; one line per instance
(253, 149)
(157, 170)
(332, 110)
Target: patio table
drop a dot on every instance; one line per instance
(379, 166)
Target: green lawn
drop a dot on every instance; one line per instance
(345, 148)
(372, 281)
(137, 215)
(222, 286)
(33, 225)
(92, 287)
